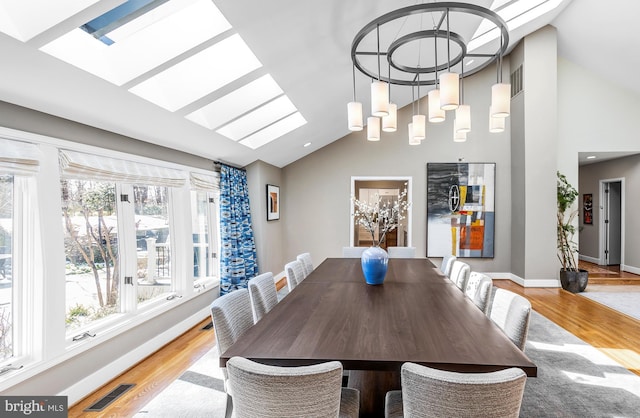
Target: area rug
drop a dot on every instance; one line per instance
(628, 303)
(574, 380)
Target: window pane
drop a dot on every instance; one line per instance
(91, 249)
(6, 278)
(200, 221)
(152, 241)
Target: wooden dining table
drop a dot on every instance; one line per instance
(417, 315)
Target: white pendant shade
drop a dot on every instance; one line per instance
(390, 122)
(449, 91)
(373, 128)
(496, 125)
(354, 116)
(419, 127)
(379, 98)
(412, 138)
(436, 114)
(458, 136)
(501, 100)
(463, 118)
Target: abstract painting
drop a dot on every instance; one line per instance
(460, 209)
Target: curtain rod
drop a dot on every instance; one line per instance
(218, 163)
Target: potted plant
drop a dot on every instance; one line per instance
(572, 278)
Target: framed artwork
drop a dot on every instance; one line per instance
(273, 202)
(461, 209)
(587, 208)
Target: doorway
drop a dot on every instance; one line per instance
(612, 222)
(388, 189)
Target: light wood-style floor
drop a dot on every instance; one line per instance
(615, 334)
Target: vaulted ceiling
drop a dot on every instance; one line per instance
(298, 67)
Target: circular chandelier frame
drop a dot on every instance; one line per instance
(451, 37)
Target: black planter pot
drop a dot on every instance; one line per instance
(574, 281)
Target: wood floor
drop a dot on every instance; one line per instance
(615, 334)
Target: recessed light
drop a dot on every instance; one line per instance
(307, 144)
(591, 157)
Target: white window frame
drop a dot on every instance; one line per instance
(44, 342)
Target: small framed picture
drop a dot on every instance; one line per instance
(273, 202)
(587, 208)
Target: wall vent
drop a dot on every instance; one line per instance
(109, 397)
(516, 81)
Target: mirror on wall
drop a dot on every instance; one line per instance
(389, 190)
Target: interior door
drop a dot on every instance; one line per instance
(613, 222)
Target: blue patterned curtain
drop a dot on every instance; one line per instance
(239, 260)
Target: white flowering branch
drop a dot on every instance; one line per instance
(384, 216)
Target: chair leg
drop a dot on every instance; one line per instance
(228, 413)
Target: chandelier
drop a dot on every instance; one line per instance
(430, 46)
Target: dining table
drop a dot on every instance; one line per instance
(416, 315)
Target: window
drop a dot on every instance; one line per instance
(153, 247)
(6, 276)
(204, 221)
(92, 278)
(94, 245)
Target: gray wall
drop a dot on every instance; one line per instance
(627, 168)
(316, 208)
(268, 234)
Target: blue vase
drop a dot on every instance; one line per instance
(374, 265)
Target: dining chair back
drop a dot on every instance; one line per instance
(263, 294)
(307, 263)
(232, 316)
(295, 274)
(428, 392)
(352, 252)
(447, 263)
(460, 274)
(478, 289)
(401, 252)
(266, 391)
(511, 312)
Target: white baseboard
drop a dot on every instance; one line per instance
(525, 283)
(589, 259)
(630, 269)
(109, 372)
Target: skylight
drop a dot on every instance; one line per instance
(137, 48)
(199, 75)
(174, 53)
(515, 13)
(238, 102)
(274, 131)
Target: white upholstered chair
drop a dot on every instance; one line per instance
(232, 316)
(511, 312)
(295, 274)
(352, 252)
(262, 391)
(307, 263)
(478, 289)
(428, 392)
(263, 294)
(460, 274)
(447, 263)
(401, 252)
